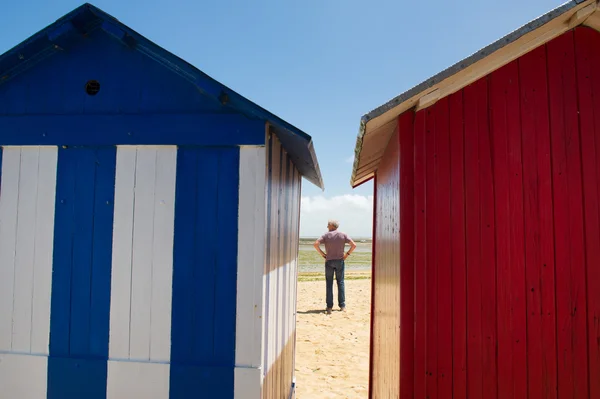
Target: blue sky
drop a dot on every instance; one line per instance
(319, 64)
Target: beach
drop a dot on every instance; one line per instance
(332, 358)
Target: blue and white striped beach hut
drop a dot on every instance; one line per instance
(148, 224)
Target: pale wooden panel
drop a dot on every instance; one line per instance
(251, 258)
(9, 199)
(120, 295)
(386, 320)
(272, 277)
(143, 229)
(23, 376)
(162, 262)
(44, 248)
(25, 250)
(247, 383)
(137, 380)
(284, 203)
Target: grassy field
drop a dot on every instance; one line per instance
(309, 257)
(358, 265)
(359, 241)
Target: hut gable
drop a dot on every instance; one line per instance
(99, 74)
(130, 90)
(377, 126)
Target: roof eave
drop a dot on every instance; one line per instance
(46, 41)
(409, 99)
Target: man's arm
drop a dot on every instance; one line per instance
(352, 247)
(317, 246)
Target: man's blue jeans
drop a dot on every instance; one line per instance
(337, 267)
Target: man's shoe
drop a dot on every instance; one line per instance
(343, 308)
(329, 310)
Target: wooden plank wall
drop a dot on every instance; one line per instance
(385, 319)
(283, 216)
(506, 234)
(28, 187)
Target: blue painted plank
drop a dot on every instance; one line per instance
(205, 266)
(106, 161)
(80, 303)
(70, 378)
(13, 99)
(226, 283)
(182, 309)
(64, 229)
(201, 382)
(81, 272)
(207, 253)
(158, 129)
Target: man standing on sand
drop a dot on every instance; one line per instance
(335, 242)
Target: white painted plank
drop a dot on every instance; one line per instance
(162, 268)
(143, 230)
(278, 327)
(251, 256)
(272, 318)
(260, 214)
(44, 248)
(247, 383)
(273, 275)
(120, 295)
(137, 380)
(25, 250)
(297, 197)
(285, 321)
(294, 254)
(9, 198)
(23, 376)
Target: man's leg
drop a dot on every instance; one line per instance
(329, 284)
(339, 276)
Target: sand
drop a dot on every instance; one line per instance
(332, 358)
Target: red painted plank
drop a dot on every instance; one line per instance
(407, 281)
(568, 215)
(546, 244)
(588, 62)
(431, 258)
(473, 238)
(442, 220)
(500, 81)
(488, 248)
(420, 256)
(541, 323)
(517, 286)
(457, 239)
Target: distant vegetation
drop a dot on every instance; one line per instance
(310, 263)
(311, 240)
(308, 257)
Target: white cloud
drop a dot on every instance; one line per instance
(354, 212)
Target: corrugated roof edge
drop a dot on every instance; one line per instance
(244, 105)
(448, 72)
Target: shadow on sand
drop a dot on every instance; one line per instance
(316, 311)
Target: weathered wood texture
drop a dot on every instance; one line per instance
(505, 255)
(283, 216)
